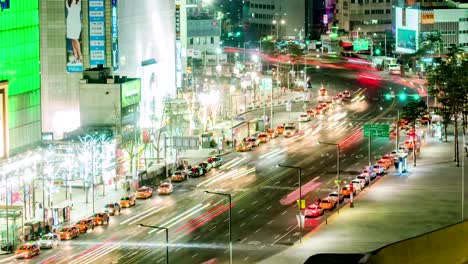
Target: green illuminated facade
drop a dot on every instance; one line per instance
(20, 66)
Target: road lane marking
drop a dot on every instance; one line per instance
(228, 163)
(187, 214)
(276, 241)
(236, 163)
(141, 214)
(270, 222)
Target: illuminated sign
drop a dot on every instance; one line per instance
(360, 44)
(5, 4)
(325, 19)
(427, 18)
(115, 40)
(131, 93)
(177, 21)
(97, 36)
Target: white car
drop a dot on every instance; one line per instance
(358, 184)
(369, 173)
(365, 178)
(304, 118)
(50, 240)
(336, 196)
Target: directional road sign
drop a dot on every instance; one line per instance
(376, 130)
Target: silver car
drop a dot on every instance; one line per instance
(50, 240)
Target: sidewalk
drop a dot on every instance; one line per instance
(426, 198)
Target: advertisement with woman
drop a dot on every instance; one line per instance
(73, 16)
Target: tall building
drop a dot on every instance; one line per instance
(132, 40)
(277, 17)
(410, 23)
(20, 81)
(371, 18)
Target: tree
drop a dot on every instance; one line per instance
(412, 112)
(269, 48)
(447, 82)
(295, 51)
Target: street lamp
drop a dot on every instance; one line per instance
(228, 195)
(167, 237)
(337, 167)
(300, 194)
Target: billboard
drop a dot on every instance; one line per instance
(407, 24)
(360, 44)
(73, 21)
(97, 35)
(131, 93)
(115, 40)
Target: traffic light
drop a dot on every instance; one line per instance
(416, 97)
(377, 51)
(238, 33)
(307, 42)
(388, 97)
(402, 96)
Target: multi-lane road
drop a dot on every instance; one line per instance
(264, 214)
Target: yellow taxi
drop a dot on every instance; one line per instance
(346, 191)
(280, 129)
(328, 203)
(85, 224)
(323, 92)
(244, 147)
(127, 201)
(100, 218)
(165, 188)
(272, 133)
(144, 193)
(263, 137)
(27, 251)
(68, 232)
(179, 176)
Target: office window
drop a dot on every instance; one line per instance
(387, 11)
(353, 1)
(197, 41)
(366, 12)
(191, 41)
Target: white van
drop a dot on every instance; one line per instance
(393, 68)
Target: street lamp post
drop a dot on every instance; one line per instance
(300, 195)
(167, 237)
(228, 195)
(337, 167)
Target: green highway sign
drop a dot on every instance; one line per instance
(377, 130)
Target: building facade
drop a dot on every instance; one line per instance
(131, 40)
(277, 17)
(410, 23)
(20, 69)
(363, 18)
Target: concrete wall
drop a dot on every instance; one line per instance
(446, 245)
(99, 104)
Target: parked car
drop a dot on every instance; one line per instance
(165, 188)
(304, 117)
(144, 193)
(357, 184)
(280, 129)
(272, 133)
(263, 137)
(313, 211)
(215, 161)
(179, 176)
(337, 196)
(311, 113)
(27, 251)
(369, 173)
(346, 95)
(379, 170)
(328, 203)
(127, 201)
(253, 141)
(68, 232)
(112, 208)
(50, 240)
(85, 224)
(365, 178)
(323, 92)
(346, 191)
(100, 218)
(244, 147)
(206, 166)
(196, 171)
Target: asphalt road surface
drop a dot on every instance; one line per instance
(264, 211)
